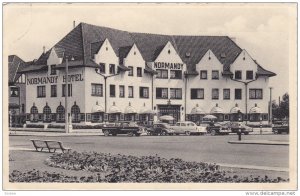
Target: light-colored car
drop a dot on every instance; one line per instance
(188, 128)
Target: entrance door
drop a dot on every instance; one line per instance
(171, 110)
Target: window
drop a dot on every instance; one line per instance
(226, 94)
(144, 92)
(130, 72)
(52, 70)
(112, 90)
(60, 114)
(197, 93)
(112, 69)
(69, 90)
(175, 93)
(121, 91)
(139, 72)
(14, 91)
(102, 68)
(162, 73)
(249, 75)
(215, 93)
(238, 75)
(34, 114)
(238, 93)
(41, 91)
(203, 75)
(215, 75)
(53, 90)
(130, 91)
(175, 74)
(255, 93)
(47, 113)
(75, 112)
(97, 90)
(162, 93)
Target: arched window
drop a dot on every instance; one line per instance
(34, 114)
(75, 112)
(60, 114)
(47, 113)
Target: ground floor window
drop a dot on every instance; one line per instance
(60, 114)
(113, 117)
(47, 113)
(220, 117)
(34, 114)
(75, 112)
(129, 117)
(255, 117)
(97, 117)
(236, 117)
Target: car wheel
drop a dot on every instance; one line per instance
(213, 132)
(137, 134)
(114, 134)
(275, 131)
(106, 133)
(130, 134)
(246, 133)
(163, 133)
(187, 133)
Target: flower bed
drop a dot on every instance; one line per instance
(122, 168)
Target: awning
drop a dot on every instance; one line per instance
(114, 109)
(97, 109)
(235, 110)
(255, 110)
(130, 110)
(197, 110)
(216, 110)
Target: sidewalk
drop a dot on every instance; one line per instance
(260, 142)
(57, 133)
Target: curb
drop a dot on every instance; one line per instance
(260, 142)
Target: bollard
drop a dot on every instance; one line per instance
(260, 128)
(239, 135)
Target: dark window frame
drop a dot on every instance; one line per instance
(238, 75)
(201, 75)
(70, 90)
(53, 92)
(141, 92)
(121, 87)
(131, 87)
(53, 71)
(97, 89)
(212, 93)
(248, 72)
(255, 92)
(41, 91)
(112, 92)
(212, 75)
(176, 76)
(160, 73)
(139, 72)
(235, 94)
(226, 98)
(176, 93)
(112, 69)
(130, 71)
(102, 68)
(14, 89)
(194, 91)
(159, 92)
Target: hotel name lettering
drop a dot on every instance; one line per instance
(164, 65)
(54, 79)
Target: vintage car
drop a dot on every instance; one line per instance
(129, 128)
(235, 127)
(281, 127)
(188, 128)
(160, 129)
(218, 129)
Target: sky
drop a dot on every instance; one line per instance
(265, 30)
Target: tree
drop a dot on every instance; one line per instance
(282, 110)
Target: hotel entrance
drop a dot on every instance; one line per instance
(171, 110)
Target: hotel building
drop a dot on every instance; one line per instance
(119, 75)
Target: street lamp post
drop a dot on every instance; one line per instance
(66, 98)
(270, 106)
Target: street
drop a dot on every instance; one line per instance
(213, 149)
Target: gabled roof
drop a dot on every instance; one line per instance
(59, 51)
(263, 72)
(95, 47)
(123, 52)
(15, 64)
(82, 42)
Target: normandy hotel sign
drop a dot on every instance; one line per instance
(53, 79)
(164, 65)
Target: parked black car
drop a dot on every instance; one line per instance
(129, 128)
(281, 127)
(160, 129)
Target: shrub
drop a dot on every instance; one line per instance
(34, 126)
(123, 168)
(56, 126)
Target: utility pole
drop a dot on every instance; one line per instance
(270, 105)
(66, 98)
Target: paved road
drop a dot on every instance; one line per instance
(215, 149)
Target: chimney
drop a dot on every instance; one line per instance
(74, 24)
(44, 49)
